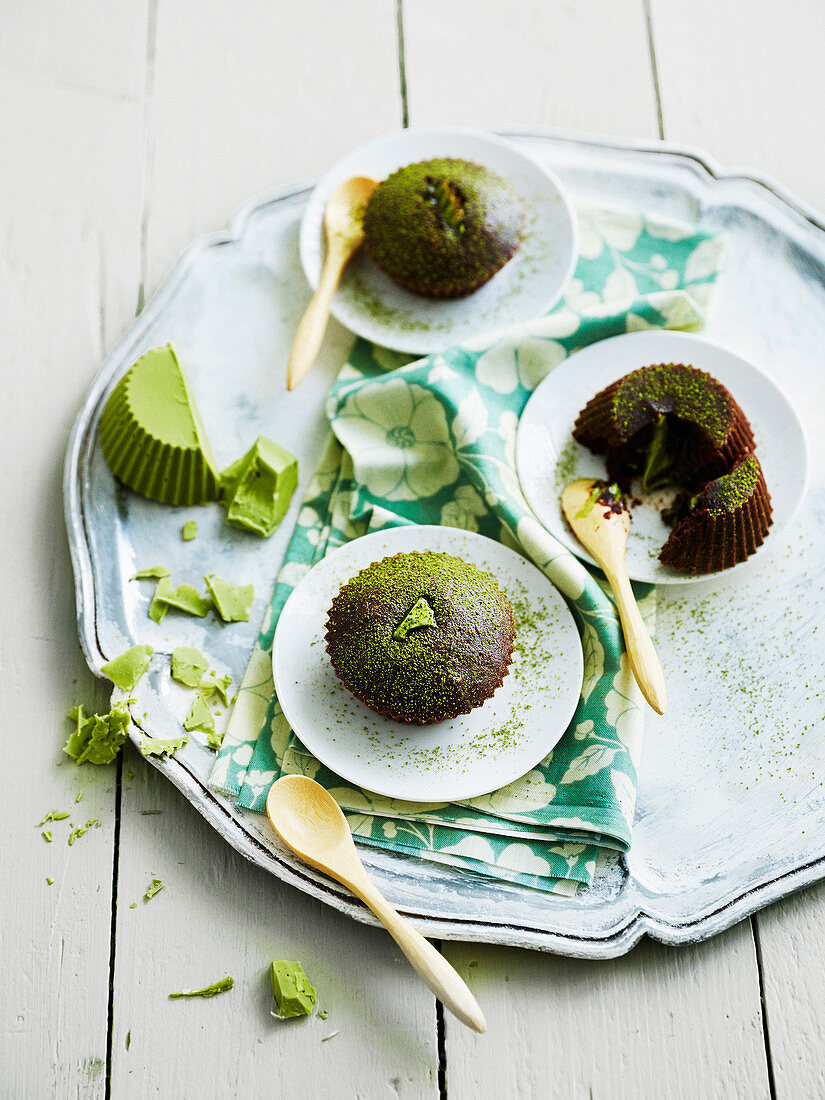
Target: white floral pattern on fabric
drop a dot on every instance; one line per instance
(434, 442)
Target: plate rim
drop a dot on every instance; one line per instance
(401, 341)
(795, 219)
(359, 548)
(691, 339)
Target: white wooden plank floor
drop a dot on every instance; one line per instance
(128, 128)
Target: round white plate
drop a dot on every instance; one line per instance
(372, 305)
(465, 756)
(548, 458)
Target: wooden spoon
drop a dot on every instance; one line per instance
(310, 822)
(604, 532)
(344, 229)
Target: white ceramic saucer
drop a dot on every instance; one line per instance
(548, 458)
(461, 758)
(372, 305)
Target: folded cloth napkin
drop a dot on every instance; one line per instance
(433, 441)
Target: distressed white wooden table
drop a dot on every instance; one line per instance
(127, 128)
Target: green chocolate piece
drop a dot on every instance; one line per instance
(125, 671)
(222, 986)
(184, 598)
(188, 665)
(233, 601)
(212, 684)
(151, 573)
(189, 530)
(159, 746)
(291, 988)
(152, 436)
(199, 716)
(258, 487)
(154, 887)
(97, 738)
(420, 614)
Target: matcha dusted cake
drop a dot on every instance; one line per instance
(421, 637)
(441, 228)
(152, 436)
(668, 423)
(672, 424)
(722, 524)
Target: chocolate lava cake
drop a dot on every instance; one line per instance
(722, 524)
(442, 228)
(421, 637)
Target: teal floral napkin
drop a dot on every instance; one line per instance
(433, 441)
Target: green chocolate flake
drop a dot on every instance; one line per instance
(81, 830)
(291, 988)
(233, 601)
(52, 815)
(257, 488)
(50, 881)
(183, 598)
(97, 738)
(133, 905)
(125, 671)
(213, 990)
(419, 615)
(199, 716)
(188, 665)
(153, 573)
(47, 836)
(158, 746)
(214, 740)
(212, 684)
(189, 530)
(154, 887)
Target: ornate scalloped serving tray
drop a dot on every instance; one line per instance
(731, 803)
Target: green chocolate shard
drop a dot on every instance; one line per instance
(214, 740)
(50, 881)
(152, 436)
(189, 530)
(419, 615)
(97, 738)
(151, 573)
(233, 601)
(52, 815)
(208, 991)
(199, 716)
(125, 671)
(47, 836)
(188, 665)
(154, 887)
(258, 488)
(291, 988)
(212, 684)
(159, 746)
(183, 598)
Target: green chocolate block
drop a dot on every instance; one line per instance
(125, 671)
(294, 996)
(233, 601)
(188, 665)
(189, 530)
(152, 436)
(257, 488)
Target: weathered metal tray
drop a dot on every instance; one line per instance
(731, 802)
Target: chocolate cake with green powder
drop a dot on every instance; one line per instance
(421, 637)
(722, 524)
(670, 424)
(442, 228)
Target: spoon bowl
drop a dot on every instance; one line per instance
(310, 822)
(600, 520)
(344, 231)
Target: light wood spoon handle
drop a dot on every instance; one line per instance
(428, 963)
(644, 660)
(310, 332)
